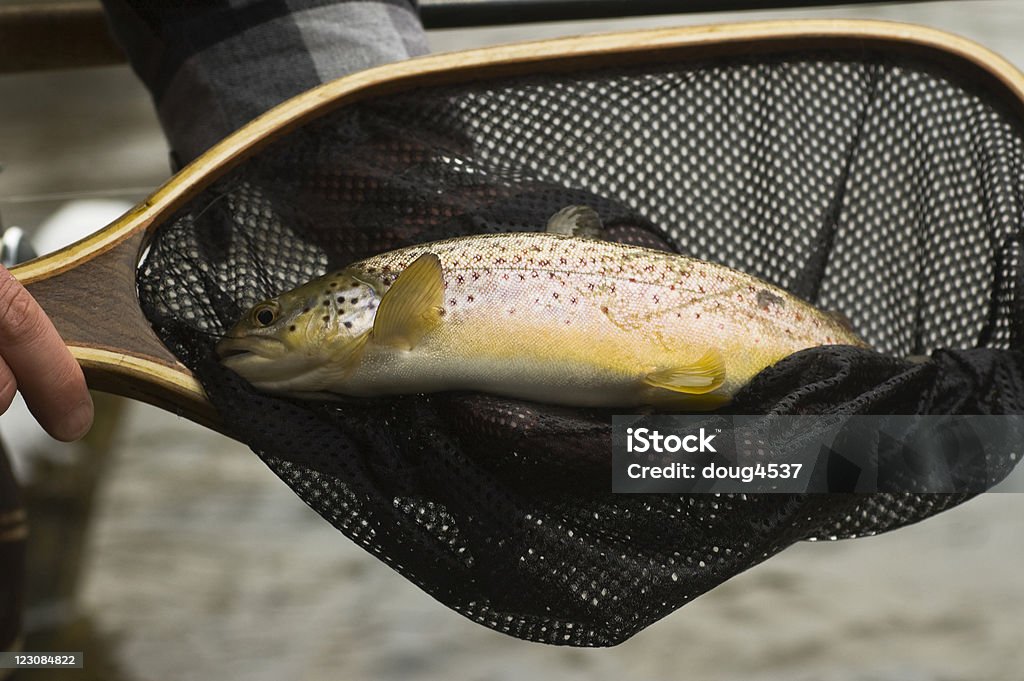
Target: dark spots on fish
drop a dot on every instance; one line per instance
(470, 299)
(656, 299)
(632, 280)
(701, 289)
(371, 270)
(334, 284)
(697, 316)
(353, 301)
(590, 286)
(766, 299)
(572, 300)
(306, 310)
(604, 309)
(555, 295)
(327, 303)
(451, 301)
(326, 318)
(348, 325)
(536, 274)
(341, 299)
(355, 284)
(461, 279)
(522, 277)
(292, 327)
(799, 317)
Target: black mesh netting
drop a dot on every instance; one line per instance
(882, 189)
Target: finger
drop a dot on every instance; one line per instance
(8, 386)
(43, 367)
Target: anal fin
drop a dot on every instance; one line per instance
(697, 378)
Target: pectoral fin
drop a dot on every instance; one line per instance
(413, 304)
(582, 221)
(697, 378)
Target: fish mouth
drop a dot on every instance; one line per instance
(234, 349)
(268, 364)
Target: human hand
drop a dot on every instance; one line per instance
(35, 360)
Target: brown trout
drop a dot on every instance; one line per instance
(547, 317)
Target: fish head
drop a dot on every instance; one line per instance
(298, 341)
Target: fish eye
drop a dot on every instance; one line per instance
(264, 315)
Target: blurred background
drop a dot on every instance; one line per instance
(165, 551)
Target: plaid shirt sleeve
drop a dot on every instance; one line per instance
(213, 65)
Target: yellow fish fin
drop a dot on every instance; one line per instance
(697, 378)
(413, 304)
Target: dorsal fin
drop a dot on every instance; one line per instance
(413, 304)
(581, 221)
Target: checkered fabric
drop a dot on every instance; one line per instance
(213, 66)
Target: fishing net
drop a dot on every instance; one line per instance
(879, 187)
